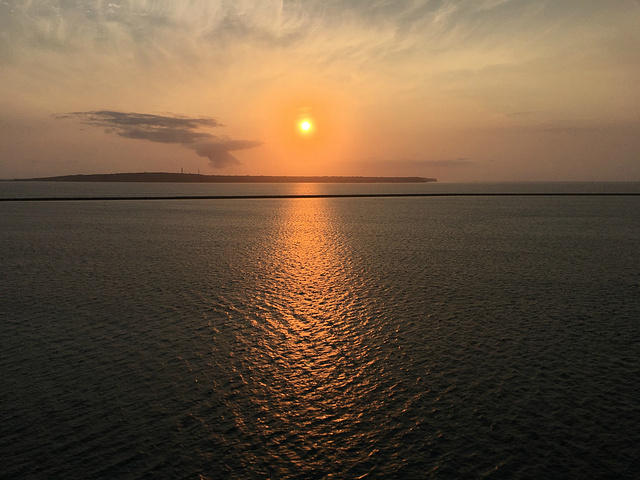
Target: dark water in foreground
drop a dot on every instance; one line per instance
(492, 337)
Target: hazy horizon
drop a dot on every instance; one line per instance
(462, 91)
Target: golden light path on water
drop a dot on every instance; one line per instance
(312, 369)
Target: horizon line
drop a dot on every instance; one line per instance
(302, 196)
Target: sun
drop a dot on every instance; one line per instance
(305, 126)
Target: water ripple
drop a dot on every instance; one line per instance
(339, 338)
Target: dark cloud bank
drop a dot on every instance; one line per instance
(175, 129)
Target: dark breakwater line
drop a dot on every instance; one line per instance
(294, 196)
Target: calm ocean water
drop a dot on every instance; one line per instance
(428, 337)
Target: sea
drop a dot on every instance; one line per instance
(468, 334)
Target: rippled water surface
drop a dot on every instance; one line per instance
(321, 338)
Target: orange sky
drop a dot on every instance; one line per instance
(475, 90)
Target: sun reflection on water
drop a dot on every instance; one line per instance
(303, 364)
(310, 351)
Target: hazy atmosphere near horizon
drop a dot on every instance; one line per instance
(468, 90)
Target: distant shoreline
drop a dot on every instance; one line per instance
(164, 177)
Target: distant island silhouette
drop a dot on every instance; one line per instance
(165, 177)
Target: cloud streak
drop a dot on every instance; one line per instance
(172, 129)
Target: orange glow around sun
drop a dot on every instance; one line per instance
(308, 131)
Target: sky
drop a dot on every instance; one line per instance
(463, 91)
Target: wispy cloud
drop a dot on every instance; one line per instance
(176, 129)
(143, 126)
